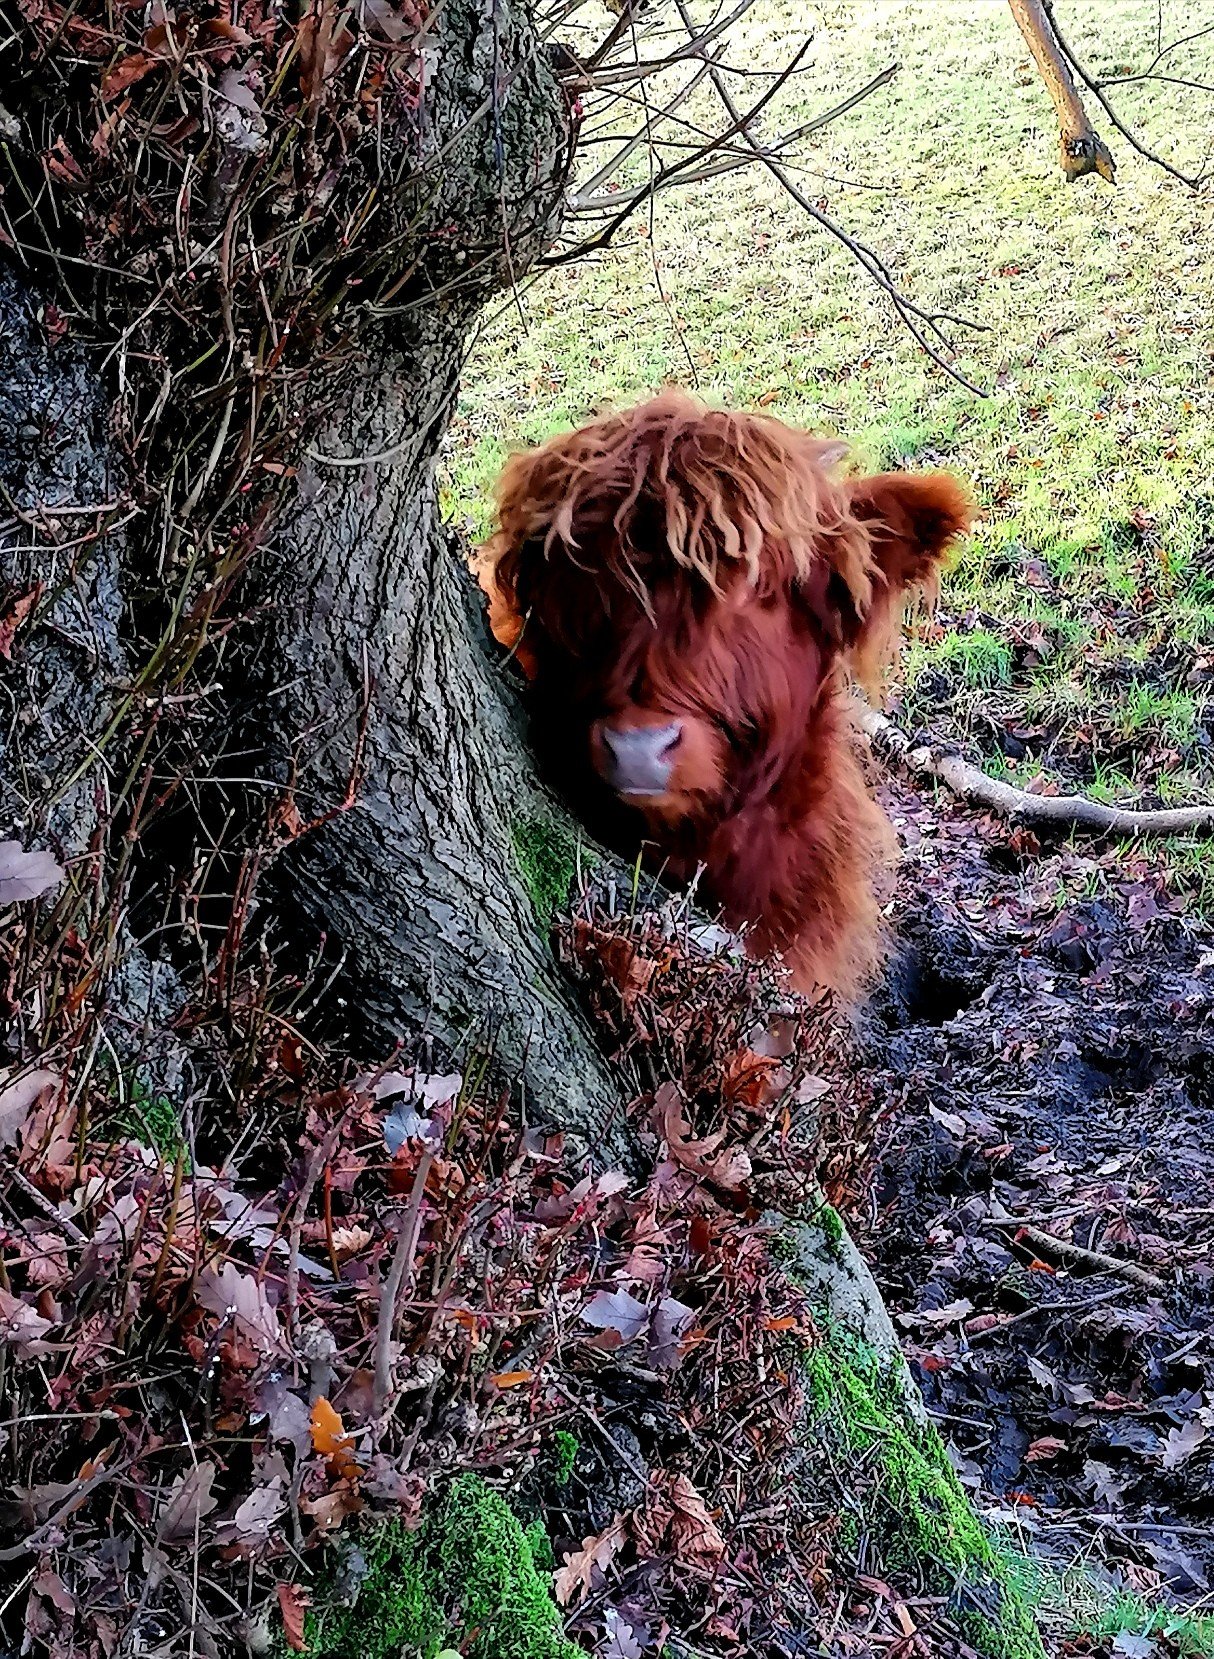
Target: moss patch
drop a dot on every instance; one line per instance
(912, 1505)
(547, 859)
(565, 1448)
(830, 1224)
(150, 1119)
(467, 1578)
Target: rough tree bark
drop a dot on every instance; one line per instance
(64, 665)
(60, 582)
(374, 667)
(377, 627)
(378, 630)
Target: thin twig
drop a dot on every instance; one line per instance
(1045, 1309)
(68, 1228)
(920, 322)
(666, 174)
(402, 1265)
(102, 1472)
(316, 1164)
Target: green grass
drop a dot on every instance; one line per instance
(1090, 455)
(1069, 1600)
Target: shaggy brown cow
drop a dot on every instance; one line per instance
(688, 591)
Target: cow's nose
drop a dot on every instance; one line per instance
(641, 758)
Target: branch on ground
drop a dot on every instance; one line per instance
(1065, 812)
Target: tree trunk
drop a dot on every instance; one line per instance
(60, 595)
(1081, 146)
(428, 881)
(371, 695)
(65, 668)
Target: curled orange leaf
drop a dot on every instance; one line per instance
(331, 1441)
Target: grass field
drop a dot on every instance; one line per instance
(1076, 635)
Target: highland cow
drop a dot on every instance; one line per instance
(689, 592)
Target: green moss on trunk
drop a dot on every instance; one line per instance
(468, 1579)
(547, 859)
(913, 1507)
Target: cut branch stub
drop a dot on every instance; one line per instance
(1081, 147)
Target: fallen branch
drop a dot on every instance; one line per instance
(1066, 812)
(1071, 1252)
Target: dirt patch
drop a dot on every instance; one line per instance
(1043, 1214)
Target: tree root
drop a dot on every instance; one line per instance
(1064, 812)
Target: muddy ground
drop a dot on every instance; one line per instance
(1044, 1059)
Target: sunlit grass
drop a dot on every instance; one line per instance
(1084, 607)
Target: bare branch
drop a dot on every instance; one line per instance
(921, 323)
(1063, 812)
(1083, 149)
(1096, 88)
(667, 174)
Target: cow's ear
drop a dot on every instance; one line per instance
(507, 623)
(911, 521)
(530, 491)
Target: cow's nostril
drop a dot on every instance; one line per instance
(642, 740)
(642, 757)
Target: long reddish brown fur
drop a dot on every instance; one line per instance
(678, 563)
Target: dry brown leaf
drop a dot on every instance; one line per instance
(629, 971)
(748, 1078)
(256, 1518)
(18, 610)
(126, 72)
(708, 1159)
(350, 1241)
(47, 1266)
(595, 1554)
(616, 1310)
(1043, 1449)
(62, 164)
(1181, 1443)
(292, 1604)
(232, 1294)
(18, 1095)
(675, 1521)
(189, 1499)
(49, 1585)
(22, 1327)
(330, 1509)
(26, 875)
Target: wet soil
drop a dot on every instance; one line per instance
(1042, 1218)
